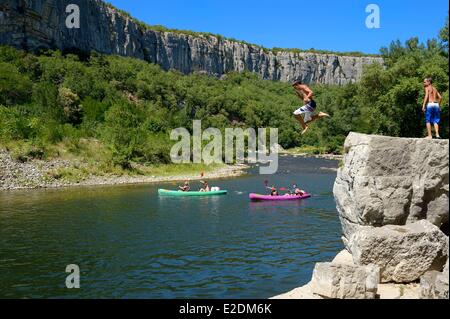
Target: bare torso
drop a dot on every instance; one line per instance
(303, 92)
(432, 94)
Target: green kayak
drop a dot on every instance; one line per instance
(165, 192)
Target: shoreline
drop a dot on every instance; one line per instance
(296, 152)
(37, 174)
(334, 157)
(220, 173)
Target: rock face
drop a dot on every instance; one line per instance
(434, 284)
(342, 281)
(403, 253)
(392, 198)
(384, 290)
(392, 181)
(37, 24)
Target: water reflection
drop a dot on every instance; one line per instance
(131, 243)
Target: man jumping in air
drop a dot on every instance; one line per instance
(305, 115)
(431, 107)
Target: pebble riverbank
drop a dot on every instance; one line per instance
(34, 174)
(322, 156)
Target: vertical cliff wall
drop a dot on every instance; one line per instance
(37, 24)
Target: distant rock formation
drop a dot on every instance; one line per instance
(38, 24)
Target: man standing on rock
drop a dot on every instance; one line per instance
(431, 107)
(305, 114)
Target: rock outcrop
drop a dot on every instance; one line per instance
(341, 281)
(434, 285)
(392, 198)
(34, 25)
(403, 253)
(383, 290)
(392, 181)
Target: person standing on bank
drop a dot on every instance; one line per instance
(431, 107)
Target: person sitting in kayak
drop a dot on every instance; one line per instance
(185, 187)
(273, 191)
(297, 191)
(205, 187)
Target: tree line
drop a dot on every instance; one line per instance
(130, 106)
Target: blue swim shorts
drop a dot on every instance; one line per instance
(433, 113)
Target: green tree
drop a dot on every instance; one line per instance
(443, 35)
(15, 88)
(123, 132)
(70, 103)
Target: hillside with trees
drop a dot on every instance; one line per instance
(53, 104)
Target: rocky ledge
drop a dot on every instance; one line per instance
(392, 181)
(392, 199)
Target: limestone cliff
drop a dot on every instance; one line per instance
(37, 24)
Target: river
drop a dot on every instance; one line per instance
(130, 243)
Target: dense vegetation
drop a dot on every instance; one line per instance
(54, 104)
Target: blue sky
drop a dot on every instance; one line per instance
(320, 24)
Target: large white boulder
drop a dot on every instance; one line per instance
(403, 253)
(344, 257)
(343, 281)
(392, 181)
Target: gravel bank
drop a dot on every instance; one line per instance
(40, 174)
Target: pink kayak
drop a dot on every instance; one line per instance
(258, 197)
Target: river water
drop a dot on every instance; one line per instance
(130, 243)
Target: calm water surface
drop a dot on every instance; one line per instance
(129, 243)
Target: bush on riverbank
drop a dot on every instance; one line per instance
(51, 103)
